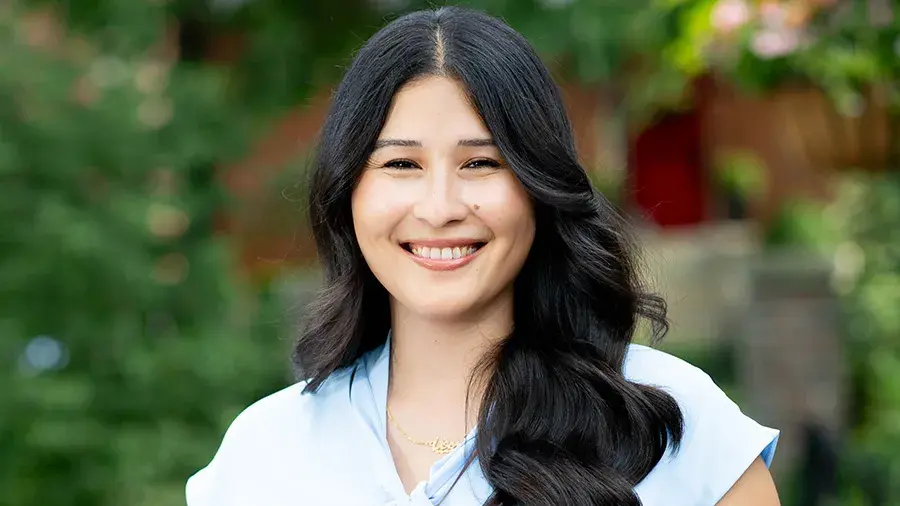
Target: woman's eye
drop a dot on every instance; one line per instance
(401, 164)
(481, 163)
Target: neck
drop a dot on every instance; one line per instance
(433, 360)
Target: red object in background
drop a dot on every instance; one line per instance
(666, 180)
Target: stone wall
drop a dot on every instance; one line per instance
(778, 313)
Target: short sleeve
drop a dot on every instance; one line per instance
(235, 458)
(197, 489)
(201, 486)
(249, 453)
(720, 442)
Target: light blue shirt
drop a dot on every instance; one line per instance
(330, 448)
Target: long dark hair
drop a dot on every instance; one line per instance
(559, 423)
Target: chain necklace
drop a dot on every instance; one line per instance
(438, 445)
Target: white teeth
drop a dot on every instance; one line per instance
(442, 253)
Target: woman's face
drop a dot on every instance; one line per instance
(441, 220)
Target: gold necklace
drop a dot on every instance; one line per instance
(438, 445)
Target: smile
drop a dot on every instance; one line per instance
(443, 256)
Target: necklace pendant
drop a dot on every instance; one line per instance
(442, 446)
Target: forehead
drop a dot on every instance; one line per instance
(433, 107)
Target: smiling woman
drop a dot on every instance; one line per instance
(472, 341)
(434, 161)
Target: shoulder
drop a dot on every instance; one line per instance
(719, 441)
(266, 438)
(284, 408)
(268, 417)
(650, 366)
(691, 386)
(697, 394)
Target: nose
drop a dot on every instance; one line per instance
(441, 203)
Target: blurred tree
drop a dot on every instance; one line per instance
(128, 339)
(651, 48)
(132, 343)
(868, 268)
(289, 48)
(294, 47)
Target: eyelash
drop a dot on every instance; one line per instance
(395, 164)
(407, 164)
(486, 161)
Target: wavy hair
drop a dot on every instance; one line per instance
(559, 423)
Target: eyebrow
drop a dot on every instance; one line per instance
(406, 143)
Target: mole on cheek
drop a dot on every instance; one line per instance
(477, 207)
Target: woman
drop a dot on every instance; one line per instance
(471, 343)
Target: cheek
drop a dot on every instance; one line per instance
(507, 210)
(368, 210)
(374, 215)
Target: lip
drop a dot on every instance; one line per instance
(440, 264)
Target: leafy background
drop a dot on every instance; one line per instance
(131, 335)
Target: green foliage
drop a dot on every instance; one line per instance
(741, 173)
(870, 263)
(651, 48)
(130, 344)
(295, 47)
(801, 224)
(128, 339)
(290, 49)
(119, 308)
(304, 44)
(838, 46)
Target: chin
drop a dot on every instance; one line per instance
(441, 308)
